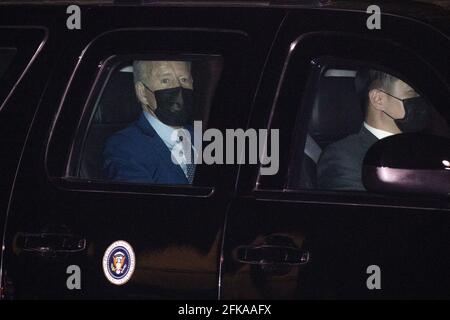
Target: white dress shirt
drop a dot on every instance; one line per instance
(171, 138)
(380, 134)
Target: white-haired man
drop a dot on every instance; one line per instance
(143, 152)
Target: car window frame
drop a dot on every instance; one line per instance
(28, 44)
(281, 192)
(61, 181)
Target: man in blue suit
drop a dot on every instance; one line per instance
(156, 149)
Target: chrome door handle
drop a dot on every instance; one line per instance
(272, 254)
(48, 244)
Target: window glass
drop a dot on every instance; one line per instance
(6, 57)
(353, 108)
(141, 127)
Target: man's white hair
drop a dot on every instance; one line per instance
(142, 70)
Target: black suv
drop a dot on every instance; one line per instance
(68, 84)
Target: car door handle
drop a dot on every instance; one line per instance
(272, 254)
(49, 244)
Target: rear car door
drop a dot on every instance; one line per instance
(26, 55)
(287, 239)
(63, 219)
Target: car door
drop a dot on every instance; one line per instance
(285, 240)
(62, 224)
(25, 63)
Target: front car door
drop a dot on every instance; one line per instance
(287, 238)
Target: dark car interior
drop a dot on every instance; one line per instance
(336, 113)
(118, 108)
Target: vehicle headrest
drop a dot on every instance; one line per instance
(336, 112)
(118, 103)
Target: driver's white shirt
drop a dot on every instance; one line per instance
(380, 134)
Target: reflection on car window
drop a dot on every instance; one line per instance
(142, 125)
(6, 57)
(354, 109)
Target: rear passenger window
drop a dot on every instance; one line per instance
(351, 109)
(133, 115)
(141, 125)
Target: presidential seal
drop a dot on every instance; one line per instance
(119, 262)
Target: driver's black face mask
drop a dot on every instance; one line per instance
(417, 114)
(174, 106)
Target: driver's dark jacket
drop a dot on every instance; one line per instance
(340, 164)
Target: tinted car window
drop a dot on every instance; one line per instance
(142, 124)
(352, 110)
(6, 57)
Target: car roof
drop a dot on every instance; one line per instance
(292, 3)
(434, 12)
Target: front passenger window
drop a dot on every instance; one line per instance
(354, 109)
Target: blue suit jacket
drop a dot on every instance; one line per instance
(138, 154)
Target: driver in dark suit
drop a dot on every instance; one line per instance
(391, 107)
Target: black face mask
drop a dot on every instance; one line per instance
(417, 114)
(174, 106)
